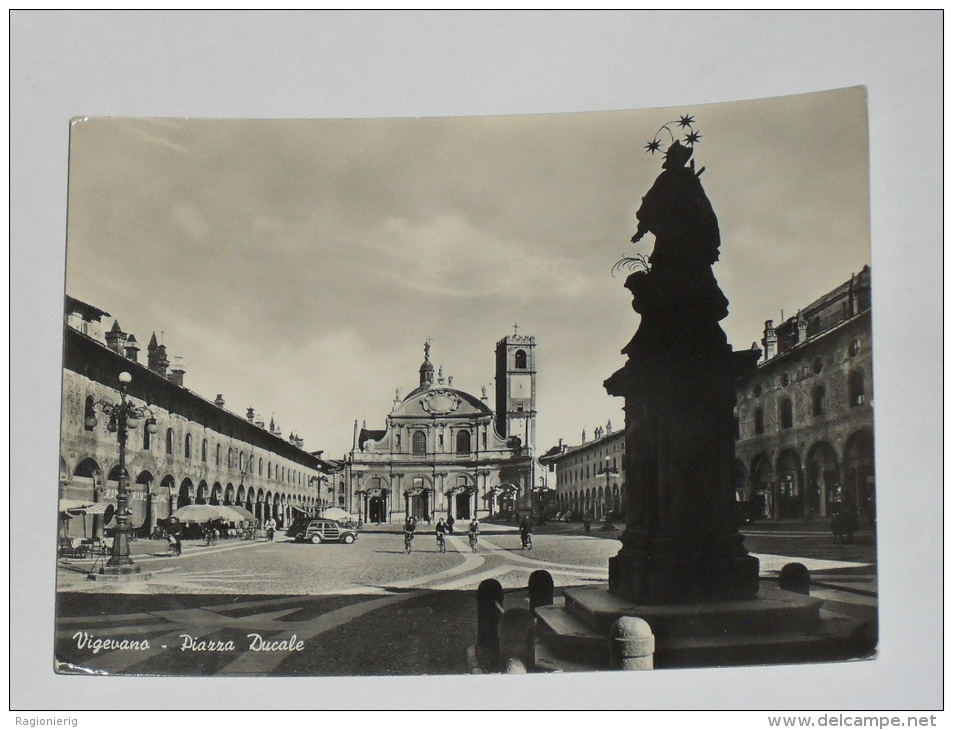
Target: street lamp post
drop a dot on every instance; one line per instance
(123, 417)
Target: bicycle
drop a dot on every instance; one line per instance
(474, 541)
(441, 543)
(527, 541)
(408, 541)
(210, 538)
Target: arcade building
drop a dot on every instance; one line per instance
(805, 419)
(446, 453)
(195, 452)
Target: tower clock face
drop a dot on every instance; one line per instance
(521, 386)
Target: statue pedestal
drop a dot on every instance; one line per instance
(774, 627)
(681, 543)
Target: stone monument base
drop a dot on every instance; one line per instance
(698, 580)
(117, 573)
(774, 627)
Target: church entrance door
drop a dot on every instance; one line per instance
(375, 510)
(462, 504)
(420, 506)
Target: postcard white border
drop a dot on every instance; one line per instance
(370, 64)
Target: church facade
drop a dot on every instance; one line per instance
(446, 453)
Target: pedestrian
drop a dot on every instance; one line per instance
(473, 532)
(586, 522)
(270, 526)
(450, 524)
(441, 536)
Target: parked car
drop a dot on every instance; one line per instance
(318, 531)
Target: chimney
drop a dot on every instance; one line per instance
(177, 374)
(219, 401)
(132, 349)
(770, 340)
(583, 435)
(116, 338)
(162, 361)
(801, 328)
(608, 427)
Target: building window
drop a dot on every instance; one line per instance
(521, 359)
(218, 454)
(241, 461)
(261, 465)
(229, 458)
(787, 413)
(757, 391)
(168, 441)
(758, 421)
(785, 380)
(269, 470)
(817, 365)
(855, 388)
(463, 442)
(483, 439)
(440, 441)
(146, 436)
(89, 415)
(818, 397)
(204, 449)
(188, 446)
(419, 444)
(854, 348)
(398, 443)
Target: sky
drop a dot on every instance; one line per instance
(298, 266)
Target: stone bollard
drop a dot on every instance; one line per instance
(514, 666)
(540, 589)
(516, 638)
(489, 610)
(631, 644)
(795, 577)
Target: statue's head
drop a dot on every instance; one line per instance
(676, 155)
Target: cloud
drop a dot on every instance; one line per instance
(447, 256)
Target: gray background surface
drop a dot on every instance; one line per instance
(368, 64)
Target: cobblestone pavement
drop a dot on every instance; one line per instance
(287, 609)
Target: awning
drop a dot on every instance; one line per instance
(206, 512)
(79, 507)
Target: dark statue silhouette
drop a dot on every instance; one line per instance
(681, 542)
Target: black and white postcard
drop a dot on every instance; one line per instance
(369, 397)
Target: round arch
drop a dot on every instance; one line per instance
(859, 471)
(186, 493)
(790, 493)
(823, 480)
(761, 478)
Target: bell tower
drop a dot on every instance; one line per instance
(516, 387)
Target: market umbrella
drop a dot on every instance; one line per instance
(204, 513)
(335, 513)
(242, 513)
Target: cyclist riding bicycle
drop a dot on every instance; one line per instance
(410, 529)
(441, 536)
(526, 535)
(473, 532)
